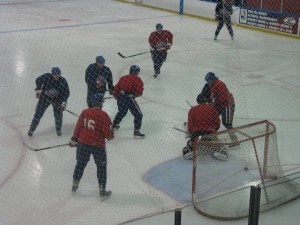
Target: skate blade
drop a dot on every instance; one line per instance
(138, 137)
(104, 198)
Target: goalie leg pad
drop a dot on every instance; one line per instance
(221, 154)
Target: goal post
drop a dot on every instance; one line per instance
(224, 170)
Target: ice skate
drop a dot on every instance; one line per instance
(215, 38)
(104, 194)
(138, 134)
(115, 127)
(155, 75)
(232, 37)
(58, 132)
(30, 132)
(75, 186)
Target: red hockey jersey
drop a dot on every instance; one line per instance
(158, 41)
(131, 84)
(92, 127)
(221, 95)
(204, 117)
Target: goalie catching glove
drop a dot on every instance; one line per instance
(73, 142)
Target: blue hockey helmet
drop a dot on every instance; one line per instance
(159, 26)
(210, 76)
(97, 99)
(100, 59)
(56, 71)
(134, 69)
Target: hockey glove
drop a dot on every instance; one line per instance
(217, 17)
(38, 93)
(63, 106)
(111, 92)
(73, 142)
(169, 45)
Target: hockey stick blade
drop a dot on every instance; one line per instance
(183, 131)
(40, 149)
(119, 53)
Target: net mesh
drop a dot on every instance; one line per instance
(252, 160)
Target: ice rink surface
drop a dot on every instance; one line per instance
(261, 70)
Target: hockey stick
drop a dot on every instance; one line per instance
(40, 149)
(189, 103)
(183, 131)
(57, 106)
(71, 112)
(109, 97)
(123, 56)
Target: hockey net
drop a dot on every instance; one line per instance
(224, 170)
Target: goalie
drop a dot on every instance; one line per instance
(202, 119)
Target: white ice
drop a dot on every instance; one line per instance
(261, 70)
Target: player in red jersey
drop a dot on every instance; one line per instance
(126, 90)
(202, 119)
(160, 41)
(222, 99)
(92, 128)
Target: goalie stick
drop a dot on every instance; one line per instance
(40, 149)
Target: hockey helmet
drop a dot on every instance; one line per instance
(55, 71)
(134, 69)
(159, 26)
(210, 76)
(97, 99)
(100, 59)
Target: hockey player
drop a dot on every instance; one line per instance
(202, 119)
(223, 12)
(160, 42)
(97, 77)
(126, 90)
(51, 88)
(222, 99)
(92, 128)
